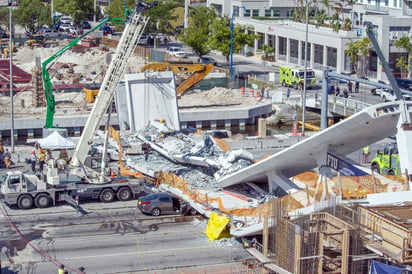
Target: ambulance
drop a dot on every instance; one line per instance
(294, 77)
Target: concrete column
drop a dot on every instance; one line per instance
(277, 47)
(228, 124)
(287, 50)
(30, 133)
(199, 125)
(262, 127)
(242, 125)
(325, 55)
(300, 53)
(213, 124)
(183, 125)
(266, 39)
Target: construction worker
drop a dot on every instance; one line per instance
(365, 154)
(42, 159)
(33, 160)
(61, 269)
(7, 158)
(146, 149)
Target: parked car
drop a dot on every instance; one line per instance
(162, 203)
(142, 40)
(64, 27)
(65, 20)
(207, 60)
(390, 96)
(176, 51)
(48, 33)
(404, 83)
(85, 25)
(106, 30)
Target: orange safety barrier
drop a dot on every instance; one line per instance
(242, 91)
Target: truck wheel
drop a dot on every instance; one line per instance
(107, 195)
(25, 202)
(156, 211)
(375, 168)
(124, 194)
(42, 201)
(391, 172)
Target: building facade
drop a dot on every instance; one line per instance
(271, 21)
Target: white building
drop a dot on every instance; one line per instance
(391, 20)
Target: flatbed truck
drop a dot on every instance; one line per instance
(28, 190)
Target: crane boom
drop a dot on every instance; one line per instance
(199, 71)
(131, 34)
(47, 85)
(404, 133)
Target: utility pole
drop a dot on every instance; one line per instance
(11, 81)
(232, 27)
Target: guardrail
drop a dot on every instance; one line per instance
(337, 104)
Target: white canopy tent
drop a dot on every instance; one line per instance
(56, 141)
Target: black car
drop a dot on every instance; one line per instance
(404, 83)
(86, 25)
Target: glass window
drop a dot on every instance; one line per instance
(247, 13)
(255, 13)
(276, 13)
(268, 13)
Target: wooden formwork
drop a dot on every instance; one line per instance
(385, 229)
(314, 243)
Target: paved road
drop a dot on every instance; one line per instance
(112, 238)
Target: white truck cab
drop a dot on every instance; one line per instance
(389, 95)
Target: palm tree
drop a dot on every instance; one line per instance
(405, 43)
(358, 52)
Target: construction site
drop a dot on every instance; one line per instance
(303, 223)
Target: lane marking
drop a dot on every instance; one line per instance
(139, 252)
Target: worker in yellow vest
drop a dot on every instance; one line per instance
(42, 159)
(365, 154)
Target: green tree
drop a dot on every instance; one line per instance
(268, 50)
(78, 9)
(402, 65)
(160, 16)
(197, 34)
(405, 43)
(220, 37)
(32, 14)
(358, 53)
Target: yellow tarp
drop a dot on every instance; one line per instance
(217, 227)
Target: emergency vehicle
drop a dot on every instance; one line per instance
(294, 76)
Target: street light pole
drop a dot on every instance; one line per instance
(305, 70)
(231, 72)
(232, 27)
(11, 82)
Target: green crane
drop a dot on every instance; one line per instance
(48, 88)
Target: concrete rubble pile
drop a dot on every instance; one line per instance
(194, 157)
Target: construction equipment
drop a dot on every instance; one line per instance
(293, 76)
(198, 72)
(91, 91)
(24, 190)
(117, 68)
(404, 132)
(387, 162)
(48, 88)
